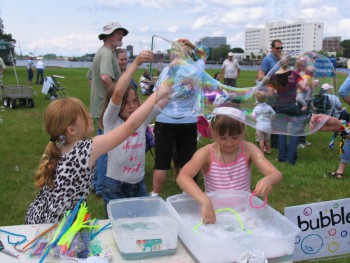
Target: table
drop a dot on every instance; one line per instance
(30, 231)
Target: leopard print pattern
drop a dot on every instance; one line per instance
(72, 182)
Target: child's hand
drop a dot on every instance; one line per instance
(330, 123)
(208, 212)
(263, 187)
(144, 56)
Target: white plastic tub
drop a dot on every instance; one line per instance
(239, 228)
(143, 227)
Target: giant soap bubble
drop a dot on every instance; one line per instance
(194, 92)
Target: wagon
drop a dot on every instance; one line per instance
(12, 95)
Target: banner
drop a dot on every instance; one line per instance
(325, 229)
(324, 68)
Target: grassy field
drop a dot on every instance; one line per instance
(22, 141)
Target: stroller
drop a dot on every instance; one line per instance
(52, 88)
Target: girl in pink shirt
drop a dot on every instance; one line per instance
(226, 163)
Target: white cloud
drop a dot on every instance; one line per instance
(218, 33)
(308, 2)
(72, 43)
(241, 15)
(202, 21)
(173, 29)
(144, 29)
(77, 30)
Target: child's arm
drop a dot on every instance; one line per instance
(108, 141)
(272, 176)
(125, 79)
(330, 123)
(188, 185)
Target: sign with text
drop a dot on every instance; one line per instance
(324, 68)
(325, 229)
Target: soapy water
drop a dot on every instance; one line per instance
(141, 224)
(139, 236)
(193, 92)
(228, 228)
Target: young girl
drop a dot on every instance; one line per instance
(226, 163)
(67, 165)
(126, 162)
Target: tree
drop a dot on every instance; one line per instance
(222, 51)
(237, 50)
(345, 44)
(4, 36)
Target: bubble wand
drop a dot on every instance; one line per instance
(195, 228)
(251, 201)
(79, 223)
(68, 220)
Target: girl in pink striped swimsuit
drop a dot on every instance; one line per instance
(226, 163)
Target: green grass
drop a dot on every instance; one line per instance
(22, 141)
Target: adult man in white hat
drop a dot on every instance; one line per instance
(230, 70)
(103, 72)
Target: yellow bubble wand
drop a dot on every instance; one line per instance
(195, 228)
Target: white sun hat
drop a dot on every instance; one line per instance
(110, 28)
(230, 112)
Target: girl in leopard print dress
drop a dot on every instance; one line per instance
(67, 166)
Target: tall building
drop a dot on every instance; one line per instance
(330, 44)
(254, 40)
(298, 37)
(211, 42)
(130, 51)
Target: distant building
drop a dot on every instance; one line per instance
(330, 44)
(298, 37)
(254, 40)
(212, 42)
(130, 51)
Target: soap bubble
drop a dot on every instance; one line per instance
(279, 11)
(194, 92)
(17, 168)
(93, 9)
(146, 44)
(201, 52)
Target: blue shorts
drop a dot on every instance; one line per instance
(345, 157)
(344, 89)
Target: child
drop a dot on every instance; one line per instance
(262, 113)
(217, 76)
(344, 150)
(226, 162)
(126, 163)
(344, 160)
(146, 83)
(67, 165)
(306, 93)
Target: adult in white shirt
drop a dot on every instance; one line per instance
(230, 70)
(40, 72)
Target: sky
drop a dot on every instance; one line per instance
(71, 27)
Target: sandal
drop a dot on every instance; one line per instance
(335, 175)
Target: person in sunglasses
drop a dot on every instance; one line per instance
(270, 60)
(267, 64)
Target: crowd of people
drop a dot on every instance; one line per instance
(112, 164)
